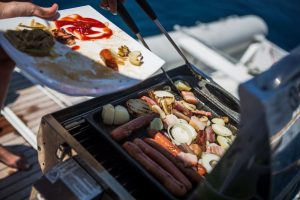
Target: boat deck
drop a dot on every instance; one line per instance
(17, 184)
(26, 103)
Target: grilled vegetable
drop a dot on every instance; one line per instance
(218, 121)
(221, 130)
(123, 51)
(108, 114)
(137, 107)
(114, 115)
(182, 133)
(121, 115)
(196, 149)
(135, 58)
(209, 161)
(156, 124)
(182, 86)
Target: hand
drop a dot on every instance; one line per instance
(111, 5)
(20, 9)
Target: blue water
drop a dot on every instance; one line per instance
(281, 16)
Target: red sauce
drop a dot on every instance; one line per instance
(74, 48)
(84, 28)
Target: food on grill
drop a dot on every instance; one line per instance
(109, 59)
(125, 130)
(189, 172)
(209, 161)
(35, 42)
(189, 97)
(162, 161)
(63, 37)
(182, 86)
(108, 114)
(114, 115)
(123, 51)
(218, 121)
(174, 186)
(180, 115)
(154, 107)
(165, 143)
(121, 115)
(223, 141)
(156, 124)
(135, 58)
(221, 130)
(181, 133)
(137, 107)
(183, 138)
(196, 149)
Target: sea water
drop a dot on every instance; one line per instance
(281, 16)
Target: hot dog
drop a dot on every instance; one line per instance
(180, 115)
(164, 142)
(163, 162)
(189, 172)
(174, 186)
(125, 130)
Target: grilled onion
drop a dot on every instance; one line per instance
(181, 133)
(137, 107)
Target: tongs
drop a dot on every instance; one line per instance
(123, 13)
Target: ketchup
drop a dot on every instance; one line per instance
(84, 28)
(76, 47)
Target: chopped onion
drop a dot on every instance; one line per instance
(121, 115)
(108, 114)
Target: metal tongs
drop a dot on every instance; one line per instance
(123, 13)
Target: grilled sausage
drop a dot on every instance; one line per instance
(125, 130)
(163, 162)
(165, 142)
(189, 172)
(109, 59)
(180, 115)
(163, 176)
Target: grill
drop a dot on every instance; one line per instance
(76, 128)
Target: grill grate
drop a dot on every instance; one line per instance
(138, 186)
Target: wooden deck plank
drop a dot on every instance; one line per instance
(25, 182)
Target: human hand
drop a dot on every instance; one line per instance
(111, 5)
(19, 9)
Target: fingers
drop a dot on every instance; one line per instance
(111, 5)
(20, 9)
(42, 12)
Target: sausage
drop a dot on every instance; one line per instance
(174, 186)
(189, 172)
(125, 130)
(163, 162)
(109, 59)
(180, 115)
(165, 142)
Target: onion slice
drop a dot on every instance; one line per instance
(181, 133)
